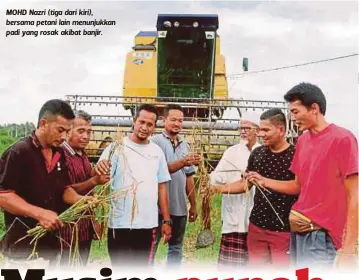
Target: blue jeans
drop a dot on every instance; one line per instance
(314, 249)
(174, 254)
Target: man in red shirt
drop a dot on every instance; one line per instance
(83, 179)
(326, 169)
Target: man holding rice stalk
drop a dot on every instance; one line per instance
(139, 170)
(236, 208)
(268, 230)
(324, 220)
(83, 178)
(34, 184)
(181, 166)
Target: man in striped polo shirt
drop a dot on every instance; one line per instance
(83, 179)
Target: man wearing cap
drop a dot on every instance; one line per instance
(236, 208)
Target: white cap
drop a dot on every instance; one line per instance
(251, 116)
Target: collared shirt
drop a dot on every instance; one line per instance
(79, 168)
(236, 208)
(24, 170)
(79, 165)
(136, 169)
(177, 186)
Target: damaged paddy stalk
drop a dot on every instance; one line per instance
(205, 237)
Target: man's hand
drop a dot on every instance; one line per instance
(192, 159)
(100, 179)
(192, 214)
(166, 232)
(49, 220)
(211, 190)
(254, 177)
(103, 167)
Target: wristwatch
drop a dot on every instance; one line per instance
(164, 222)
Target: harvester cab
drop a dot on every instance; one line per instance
(180, 62)
(186, 48)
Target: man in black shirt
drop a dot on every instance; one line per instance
(268, 232)
(34, 184)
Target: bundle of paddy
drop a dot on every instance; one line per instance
(76, 212)
(205, 237)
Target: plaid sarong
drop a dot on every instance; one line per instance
(233, 251)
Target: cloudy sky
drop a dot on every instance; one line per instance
(270, 34)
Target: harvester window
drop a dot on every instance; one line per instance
(185, 64)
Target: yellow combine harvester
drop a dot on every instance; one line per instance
(180, 63)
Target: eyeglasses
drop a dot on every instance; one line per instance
(246, 128)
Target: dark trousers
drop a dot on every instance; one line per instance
(130, 247)
(175, 244)
(84, 252)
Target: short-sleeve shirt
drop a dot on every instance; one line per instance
(177, 186)
(23, 170)
(79, 168)
(78, 165)
(137, 169)
(322, 162)
(273, 166)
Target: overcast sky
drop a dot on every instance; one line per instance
(270, 34)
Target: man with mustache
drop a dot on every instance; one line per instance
(236, 208)
(324, 220)
(268, 231)
(83, 179)
(139, 171)
(34, 184)
(181, 166)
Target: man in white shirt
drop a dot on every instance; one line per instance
(140, 173)
(236, 208)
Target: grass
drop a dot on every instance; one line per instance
(99, 253)
(191, 254)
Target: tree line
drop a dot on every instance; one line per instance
(9, 133)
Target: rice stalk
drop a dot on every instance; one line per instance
(260, 188)
(73, 214)
(203, 181)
